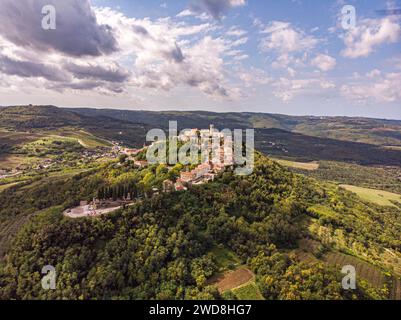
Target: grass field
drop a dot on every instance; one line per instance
(396, 148)
(9, 161)
(310, 166)
(6, 186)
(248, 291)
(379, 197)
(15, 137)
(86, 139)
(225, 258)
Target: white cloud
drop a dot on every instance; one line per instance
(382, 89)
(213, 8)
(284, 38)
(152, 54)
(368, 35)
(185, 13)
(395, 62)
(235, 31)
(287, 89)
(373, 74)
(324, 62)
(254, 76)
(166, 59)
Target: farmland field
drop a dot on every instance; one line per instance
(248, 292)
(365, 271)
(6, 186)
(397, 148)
(379, 197)
(308, 253)
(12, 162)
(310, 166)
(84, 138)
(232, 279)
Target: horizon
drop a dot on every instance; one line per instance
(204, 110)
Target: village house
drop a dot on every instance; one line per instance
(179, 186)
(187, 176)
(141, 163)
(131, 152)
(201, 170)
(186, 135)
(168, 186)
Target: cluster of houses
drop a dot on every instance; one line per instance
(222, 157)
(203, 173)
(4, 174)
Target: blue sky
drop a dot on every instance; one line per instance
(288, 56)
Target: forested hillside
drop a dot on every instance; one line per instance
(162, 246)
(287, 235)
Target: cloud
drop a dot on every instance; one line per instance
(28, 69)
(161, 54)
(283, 38)
(368, 35)
(381, 89)
(254, 76)
(112, 74)
(202, 68)
(287, 89)
(373, 74)
(214, 8)
(165, 59)
(324, 62)
(235, 31)
(291, 45)
(77, 30)
(100, 86)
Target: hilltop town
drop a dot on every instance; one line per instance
(220, 158)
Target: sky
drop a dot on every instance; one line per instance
(298, 57)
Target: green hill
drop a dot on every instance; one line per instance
(160, 247)
(292, 232)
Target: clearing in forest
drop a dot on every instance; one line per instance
(248, 291)
(309, 166)
(232, 279)
(225, 258)
(379, 197)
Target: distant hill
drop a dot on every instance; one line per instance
(26, 118)
(355, 140)
(365, 130)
